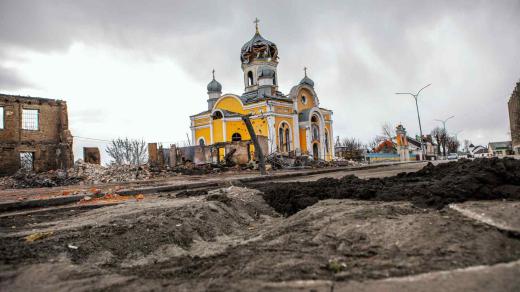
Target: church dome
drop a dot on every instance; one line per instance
(258, 48)
(214, 86)
(266, 72)
(308, 81)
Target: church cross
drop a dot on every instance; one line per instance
(256, 23)
(213, 72)
(305, 70)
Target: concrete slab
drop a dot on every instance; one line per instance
(504, 215)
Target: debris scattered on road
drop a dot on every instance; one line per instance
(72, 246)
(37, 236)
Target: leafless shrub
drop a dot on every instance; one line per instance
(127, 151)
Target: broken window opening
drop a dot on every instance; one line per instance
(27, 161)
(236, 137)
(1, 117)
(217, 115)
(250, 80)
(30, 119)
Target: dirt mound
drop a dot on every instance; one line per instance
(432, 186)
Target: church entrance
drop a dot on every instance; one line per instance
(315, 152)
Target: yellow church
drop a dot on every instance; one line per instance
(293, 123)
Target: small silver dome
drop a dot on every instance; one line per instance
(214, 85)
(308, 81)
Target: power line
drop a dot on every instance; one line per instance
(86, 138)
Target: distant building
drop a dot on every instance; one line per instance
(500, 148)
(34, 134)
(478, 151)
(514, 118)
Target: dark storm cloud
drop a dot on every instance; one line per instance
(11, 79)
(358, 52)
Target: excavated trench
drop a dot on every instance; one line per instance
(434, 186)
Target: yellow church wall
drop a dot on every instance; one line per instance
(328, 156)
(309, 100)
(201, 122)
(259, 126)
(236, 127)
(283, 110)
(230, 103)
(217, 131)
(204, 133)
(326, 117)
(303, 141)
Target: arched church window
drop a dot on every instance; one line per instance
(236, 137)
(250, 79)
(287, 140)
(314, 119)
(315, 132)
(280, 139)
(217, 115)
(326, 141)
(201, 142)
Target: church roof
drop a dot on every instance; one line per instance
(253, 96)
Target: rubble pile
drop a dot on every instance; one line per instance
(26, 179)
(431, 187)
(81, 172)
(94, 174)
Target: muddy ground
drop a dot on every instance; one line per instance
(232, 240)
(434, 186)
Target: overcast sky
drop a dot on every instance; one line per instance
(140, 68)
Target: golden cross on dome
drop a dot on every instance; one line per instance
(256, 23)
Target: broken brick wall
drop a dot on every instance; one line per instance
(50, 144)
(91, 155)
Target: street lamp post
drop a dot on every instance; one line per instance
(415, 96)
(445, 132)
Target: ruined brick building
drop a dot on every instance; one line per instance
(514, 117)
(34, 134)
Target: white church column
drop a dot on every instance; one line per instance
(296, 135)
(271, 134)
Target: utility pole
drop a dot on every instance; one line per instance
(415, 96)
(445, 133)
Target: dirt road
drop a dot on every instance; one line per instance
(230, 239)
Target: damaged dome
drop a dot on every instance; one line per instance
(258, 48)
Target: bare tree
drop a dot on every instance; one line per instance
(127, 151)
(388, 131)
(452, 144)
(440, 136)
(351, 148)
